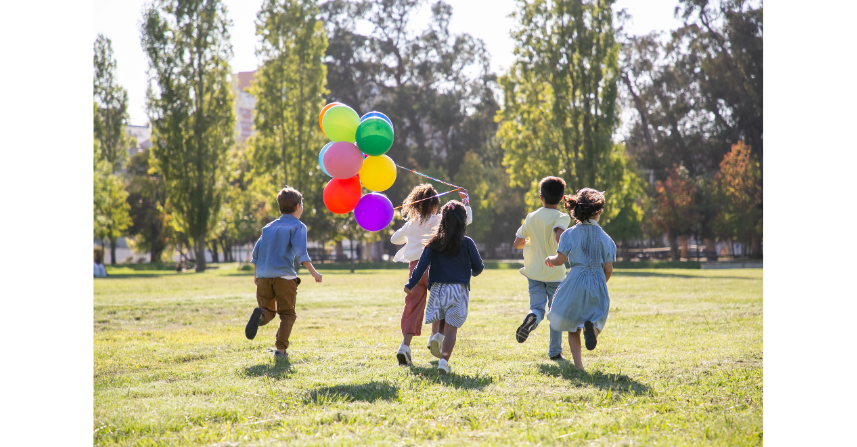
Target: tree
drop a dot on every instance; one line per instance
(673, 207)
(289, 88)
(111, 106)
(190, 106)
(146, 198)
(740, 188)
(560, 99)
(110, 208)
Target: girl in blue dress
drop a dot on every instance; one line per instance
(581, 300)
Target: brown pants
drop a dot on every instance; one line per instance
(278, 296)
(415, 305)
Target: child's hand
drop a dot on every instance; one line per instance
(256, 281)
(548, 262)
(407, 290)
(317, 276)
(462, 194)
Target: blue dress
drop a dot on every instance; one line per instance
(582, 295)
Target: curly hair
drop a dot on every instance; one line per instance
(416, 208)
(585, 204)
(447, 237)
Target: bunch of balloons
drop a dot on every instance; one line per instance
(355, 157)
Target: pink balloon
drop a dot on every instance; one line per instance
(343, 160)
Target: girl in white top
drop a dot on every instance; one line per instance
(420, 212)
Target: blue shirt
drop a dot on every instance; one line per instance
(448, 269)
(275, 251)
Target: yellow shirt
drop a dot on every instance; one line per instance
(541, 242)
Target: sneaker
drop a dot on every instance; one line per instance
(404, 355)
(443, 367)
(253, 323)
(436, 344)
(277, 354)
(558, 358)
(589, 335)
(524, 329)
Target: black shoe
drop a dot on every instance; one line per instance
(558, 358)
(277, 354)
(589, 335)
(524, 329)
(253, 324)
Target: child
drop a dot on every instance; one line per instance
(420, 210)
(581, 301)
(453, 258)
(275, 277)
(538, 236)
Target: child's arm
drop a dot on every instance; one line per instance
(475, 260)
(401, 235)
(312, 271)
(465, 199)
(299, 244)
(521, 237)
(557, 231)
(608, 270)
(555, 260)
(519, 243)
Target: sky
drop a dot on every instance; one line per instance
(488, 20)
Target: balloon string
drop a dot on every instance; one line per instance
(430, 178)
(466, 200)
(427, 198)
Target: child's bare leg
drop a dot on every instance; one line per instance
(438, 326)
(449, 341)
(406, 340)
(574, 347)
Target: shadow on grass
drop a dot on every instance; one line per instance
(135, 275)
(365, 392)
(619, 383)
(676, 275)
(455, 380)
(278, 369)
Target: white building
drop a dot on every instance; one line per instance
(143, 135)
(245, 104)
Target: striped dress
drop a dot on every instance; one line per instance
(448, 302)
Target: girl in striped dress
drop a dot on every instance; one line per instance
(581, 301)
(420, 211)
(453, 258)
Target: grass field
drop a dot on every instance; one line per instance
(679, 363)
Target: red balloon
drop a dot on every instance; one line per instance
(342, 195)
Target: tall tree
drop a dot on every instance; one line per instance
(560, 99)
(740, 189)
(110, 208)
(111, 106)
(289, 88)
(146, 198)
(190, 104)
(673, 210)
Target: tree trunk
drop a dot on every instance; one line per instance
(339, 252)
(214, 255)
(711, 254)
(113, 251)
(673, 246)
(200, 254)
(351, 246)
(757, 248)
(683, 244)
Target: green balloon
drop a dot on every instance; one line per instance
(340, 123)
(374, 136)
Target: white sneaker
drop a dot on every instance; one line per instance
(404, 355)
(436, 344)
(443, 367)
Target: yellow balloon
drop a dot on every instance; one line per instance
(378, 173)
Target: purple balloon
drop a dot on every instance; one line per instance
(374, 212)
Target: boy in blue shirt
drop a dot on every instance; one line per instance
(276, 279)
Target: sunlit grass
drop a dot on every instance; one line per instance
(679, 363)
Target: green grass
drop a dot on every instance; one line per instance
(679, 363)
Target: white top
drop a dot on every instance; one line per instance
(414, 235)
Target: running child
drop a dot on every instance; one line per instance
(420, 211)
(582, 301)
(538, 236)
(275, 276)
(453, 258)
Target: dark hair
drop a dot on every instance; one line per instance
(288, 200)
(448, 235)
(552, 189)
(418, 205)
(585, 204)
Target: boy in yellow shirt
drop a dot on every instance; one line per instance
(539, 236)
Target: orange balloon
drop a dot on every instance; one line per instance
(321, 115)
